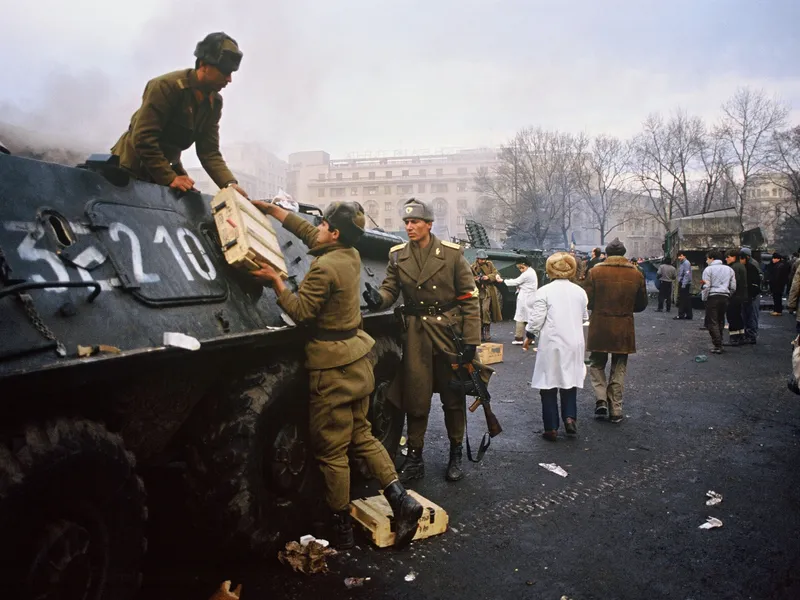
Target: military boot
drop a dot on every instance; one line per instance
(483, 333)
(454, 472)
(488, 333)
(342, 530)
(407, 513)
(413, 468)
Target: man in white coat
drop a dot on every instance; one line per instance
(527, 283)
(559, 311)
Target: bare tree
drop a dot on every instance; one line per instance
(603, 180)
(749, 119)
(784, 172)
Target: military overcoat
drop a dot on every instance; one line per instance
(174, 114)
(489, 295)
(445, 278)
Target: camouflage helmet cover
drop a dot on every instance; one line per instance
(221, 50)
(417, 209)
(348, 218)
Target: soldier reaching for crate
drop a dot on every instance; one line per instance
(340, 372)
(486, 279)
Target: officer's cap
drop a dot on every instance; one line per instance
(221, 50)
(481, 254)
(348, 218)
(417, 209)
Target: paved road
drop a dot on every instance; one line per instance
(624, 523)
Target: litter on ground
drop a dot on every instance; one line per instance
(714, 498)
(711, 523)
(554, 468)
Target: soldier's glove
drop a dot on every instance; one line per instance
(469, 354)
(372, 297)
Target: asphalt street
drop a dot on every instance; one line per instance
(625, 521)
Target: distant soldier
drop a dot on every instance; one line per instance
(337, 362)
(438, 292)
(180, 109)
(487, 278)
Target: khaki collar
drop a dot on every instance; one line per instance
(321, 249)
(199, 94)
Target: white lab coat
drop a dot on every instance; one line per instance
(528, 284)
(559, 311)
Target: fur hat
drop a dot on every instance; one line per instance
(616, 248)
(561, 265)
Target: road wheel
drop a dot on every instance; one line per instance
(387, 420)
(251, 468)
(72, 514)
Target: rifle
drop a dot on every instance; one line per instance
(473, 385)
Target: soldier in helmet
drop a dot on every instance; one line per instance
(340, 372)
(438, 291)
(180, 109)
(487, 278)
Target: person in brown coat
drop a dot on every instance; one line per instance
(616, 289)
(438, 292)
(339, 369)
(486, 280)
(180, 109)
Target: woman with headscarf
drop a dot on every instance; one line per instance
(527, 283)
(559, 311)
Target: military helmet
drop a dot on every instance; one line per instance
(417, 209)
(481, 254)
(348, 218)
(221, 50)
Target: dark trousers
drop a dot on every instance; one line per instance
(751, 314)
(777, 299)
(685, 302)
(665, 293)
(735, 314)
(715, 317)
(569, 406)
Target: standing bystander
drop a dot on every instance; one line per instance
(753, 306)
(719, 282)
(684, 287)
(667, 274)
(738, 299)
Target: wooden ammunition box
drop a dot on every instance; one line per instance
(246, 233)
(376, 518)
(490, 353)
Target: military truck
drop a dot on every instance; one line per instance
(95, 268)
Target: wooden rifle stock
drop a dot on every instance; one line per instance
(492, 424)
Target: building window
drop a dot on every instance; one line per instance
(387, 189)
(354, 191)
(404, 189)
(388, 174)
(774, 192)
(372, 209)
(371, 190)
(636, 248)
(321, 177)
(439, 172)
(387, 206)
(405, 172)
(440, 207)
(387, 224)
(421, 188)
(461, 187)
(337, 192)
(438, 187)
(321, 193)
(422, 172)
(461, 204)
(462, 170)
(355, 175)
(338, 176)
(461, 220)
(372, 174)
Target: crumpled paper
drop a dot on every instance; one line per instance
(554, 468)
(711, 523)
(714, 498)
(224, 592)
(311, 558)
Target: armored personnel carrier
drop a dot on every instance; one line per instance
(95, 268)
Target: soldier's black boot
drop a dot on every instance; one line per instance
(413, 468)
(488, 333)
(343, 530)
(454, 472)
(407, 513)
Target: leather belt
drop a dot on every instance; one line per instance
(332, 335)
(431, 310)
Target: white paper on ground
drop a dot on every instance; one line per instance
(181, 340)
(711, 523)
(554, 468)
(714, 498)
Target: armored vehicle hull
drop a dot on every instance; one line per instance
(94, 270)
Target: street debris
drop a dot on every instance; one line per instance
(181, 340)
(711, 523)
(411, 576)
(700, 358)
(304, 541)
(84, 351)
(351, 582)
(224, 592)
(714, 498)
(307, 559)
(554, 468)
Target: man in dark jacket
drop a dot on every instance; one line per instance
(778, 275)
(752, 307)
(616, 289)
(735, 310)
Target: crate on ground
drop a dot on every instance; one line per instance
(490, 353)
(376, 518)
(245, 233)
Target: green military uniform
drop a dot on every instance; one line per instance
(174, 114)
(436, 276)
(340, 372)
(488, 293)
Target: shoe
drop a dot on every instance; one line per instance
(517, 342)
(454, 472)
(678, 318)
(750, 341)
(407, 513)
(413, 468)
(343, 530)
(776, 314)
(615, 419)
(703, 328)
(570, 426)
(551, 435)
(601, 410)
(716, 351)
(668, 310)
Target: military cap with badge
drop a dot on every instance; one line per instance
(417, 209)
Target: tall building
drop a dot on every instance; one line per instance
(383, 183)
(258, 171)
(768, 202)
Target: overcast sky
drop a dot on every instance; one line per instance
(377, 75)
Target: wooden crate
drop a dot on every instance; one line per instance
(489, 353)
(246, 233)
(375, 516)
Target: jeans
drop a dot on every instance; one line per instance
(751, 312)
(715, 314)
(569, 406)
(665, 293)
(685, 302)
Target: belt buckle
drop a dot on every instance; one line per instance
(431, 310)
